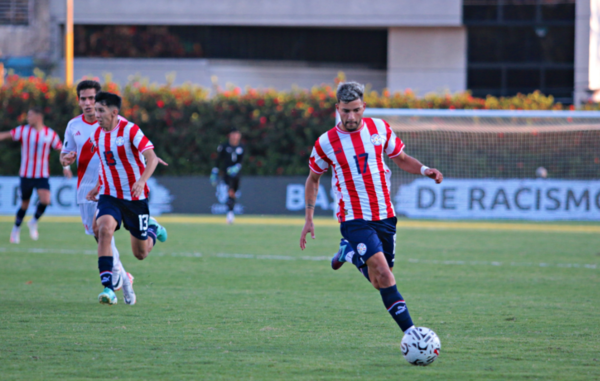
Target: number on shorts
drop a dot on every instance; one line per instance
(143, 222)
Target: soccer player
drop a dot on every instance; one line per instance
(127, 160)
(79, 147)
(36, 141)
(355, 150)
(229, 160)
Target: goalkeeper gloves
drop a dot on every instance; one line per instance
(234, 170)
(214, 177)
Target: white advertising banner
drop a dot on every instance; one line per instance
(525, 199)
(63, 201)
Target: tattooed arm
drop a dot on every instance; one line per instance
(310, 194)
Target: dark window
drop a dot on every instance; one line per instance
(528, 44)
(318, 45)
(14, 12)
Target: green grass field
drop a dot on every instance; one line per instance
(220, 302)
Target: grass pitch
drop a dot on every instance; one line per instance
(220, 302)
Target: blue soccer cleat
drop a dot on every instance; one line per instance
(161, 232)
(339, 258)
(107, 297)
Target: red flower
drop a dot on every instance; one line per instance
(263, 119)
(260, 103)
(25, 96)
(160, 104)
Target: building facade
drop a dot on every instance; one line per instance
(497, 47)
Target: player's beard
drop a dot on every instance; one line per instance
(352, 126)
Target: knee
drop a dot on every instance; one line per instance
(383, 278)
(140, 254)
(104, 231)
(25, 204)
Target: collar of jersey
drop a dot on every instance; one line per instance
(362, 125)
(85, 121)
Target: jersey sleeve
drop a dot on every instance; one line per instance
(69, 145)
(139, 140)
(55, 142)
(17, 133)
(318, 161)
(393, 145)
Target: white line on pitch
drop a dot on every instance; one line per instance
(306, 258)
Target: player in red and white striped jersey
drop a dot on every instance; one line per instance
(79, 147)
(37, 141)
(127, 160)
(355, 150)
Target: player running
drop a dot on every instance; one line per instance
(78, 146)
(229, 160)
(355, 149)
(127, 160)
(36, 141)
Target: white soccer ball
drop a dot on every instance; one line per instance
(421, 346)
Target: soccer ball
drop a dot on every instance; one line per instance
(421, 346)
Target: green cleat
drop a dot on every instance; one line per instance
(161, 232)
(107, 297)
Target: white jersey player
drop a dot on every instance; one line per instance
(78, 145)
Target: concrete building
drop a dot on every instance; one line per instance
(497, 47)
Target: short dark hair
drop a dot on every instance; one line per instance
(350, 91)
(88, 84)
(108, 99)
(37, 109)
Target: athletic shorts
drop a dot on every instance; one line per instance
(133, 214)
(370, 237)
(28, 184)
(87, 211)
(233, 182)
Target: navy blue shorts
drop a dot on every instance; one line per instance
(370, 237)
(134, 214)
(28, 184)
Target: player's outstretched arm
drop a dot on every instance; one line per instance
(151, 163)
(5, 135)
(411, 165)
(311, 189)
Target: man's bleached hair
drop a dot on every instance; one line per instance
(350, 91)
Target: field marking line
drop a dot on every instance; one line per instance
(403, 224)
(308, 258)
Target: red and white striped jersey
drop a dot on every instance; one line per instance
(361, 177)
(78, 138)
(35, 150)
(121, 160)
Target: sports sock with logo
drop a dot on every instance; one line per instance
(105, 265)
(230, 203)
(152, 233)
(20, 216)
(396, 306)
(41, 208)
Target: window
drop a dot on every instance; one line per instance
(318, 45)
(14, 12)
(520, 46)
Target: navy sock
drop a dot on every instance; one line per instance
(396, 306)
(41, 208)
(105, 265)
(152, 233)
(20, 216)
(230, 203)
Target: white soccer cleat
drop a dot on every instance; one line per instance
(33, 229)
(15, 235)
(128, 293)
(117, 280)
(230, 217)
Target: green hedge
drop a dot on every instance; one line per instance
(186, 125)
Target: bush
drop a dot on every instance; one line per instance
(186, 125)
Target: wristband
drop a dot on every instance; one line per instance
(423, 169)
(67, 167)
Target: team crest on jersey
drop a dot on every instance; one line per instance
(120, 141)
(362, 248)
(376, 140)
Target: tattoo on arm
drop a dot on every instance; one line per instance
(310, 206)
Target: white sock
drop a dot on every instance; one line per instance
(116, 257)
